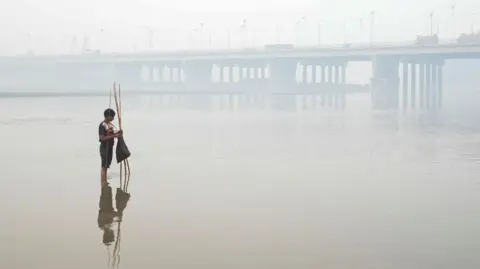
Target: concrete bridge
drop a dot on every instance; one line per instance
(409, 76)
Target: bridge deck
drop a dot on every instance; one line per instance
(447, 51)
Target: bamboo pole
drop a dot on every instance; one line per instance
(119, 123)
(124, 165)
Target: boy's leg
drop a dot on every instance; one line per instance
(109, 157)
(105, 165)
(103, 177)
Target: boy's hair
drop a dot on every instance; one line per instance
(109, 112)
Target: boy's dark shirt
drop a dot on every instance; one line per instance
(105, 130)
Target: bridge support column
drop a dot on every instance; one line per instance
(176, 74)
(331, 72)
(404, 83)
(440, 85)
(434, 86)
(413, 84)
(385, 82)
(221, 71)
(428, 86)
(261, 71)
(409, 83)
(343, 77)
(313, 73)
(321, 78)
(427, 92)
(304, 74)
(437, 84)
(231, 73)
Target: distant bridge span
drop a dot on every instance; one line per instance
(418, 69)
(360, 53)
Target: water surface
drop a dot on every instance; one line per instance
(252, 189)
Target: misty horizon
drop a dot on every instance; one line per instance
(52, 27)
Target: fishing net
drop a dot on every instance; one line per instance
(122, 152)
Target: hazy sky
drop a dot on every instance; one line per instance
(49, 26)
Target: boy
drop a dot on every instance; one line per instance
(106, 137)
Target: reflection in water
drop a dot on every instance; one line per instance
(107, 216)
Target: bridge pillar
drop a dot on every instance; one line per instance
(314, 73)
(440, 84)
(413, 84)
(231, 73)
(304, 74)
(260, 72)
(404, 82)
(328, 77)
(421, 86)
(331, 72)
(221, 72)
(338, 76)
(428, 85)
(422, 83)
(436, 84)
(324, 73)
(343, 69)
(385, 82)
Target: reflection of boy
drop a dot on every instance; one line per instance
(106, 214)
(106, 137)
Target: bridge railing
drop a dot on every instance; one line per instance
(217, 51)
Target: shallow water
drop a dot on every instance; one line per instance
(242, 189)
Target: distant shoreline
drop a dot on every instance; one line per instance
(39, 94)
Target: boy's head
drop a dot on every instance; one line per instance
(109, 114)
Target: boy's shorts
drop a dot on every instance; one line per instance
(106, 154)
